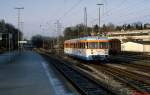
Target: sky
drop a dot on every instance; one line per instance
(40, 16)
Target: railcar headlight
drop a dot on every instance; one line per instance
(106, 51)
(91, 51)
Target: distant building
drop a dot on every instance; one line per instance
(141, 46)
(5, 40)
(142, 35)
(147, 26)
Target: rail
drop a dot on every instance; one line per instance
(82, 83)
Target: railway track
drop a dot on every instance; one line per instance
(137, 67)
(85, 85)
(131, 59)
(138, 64)
(137, 82)
(141, 57)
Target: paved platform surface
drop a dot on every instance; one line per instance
(25, 76)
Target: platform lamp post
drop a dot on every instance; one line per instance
(19, 9)
(99, 16)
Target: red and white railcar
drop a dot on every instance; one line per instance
(88, 48)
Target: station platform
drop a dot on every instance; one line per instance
(28, 74)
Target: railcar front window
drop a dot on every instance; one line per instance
(100, 45)
(103, 45)
(93, 45)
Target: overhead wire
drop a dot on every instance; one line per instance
(121, 15)
(106, 13)
(73, 7)
(139, 17)
(134, 15)
(112, 10)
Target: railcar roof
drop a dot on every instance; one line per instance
(88, 38)
(94, 38)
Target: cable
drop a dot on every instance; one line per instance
(129, 14)
(134, 18)
(74, 6)
(119, 9)
(106, 13)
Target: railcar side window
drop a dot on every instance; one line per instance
(96, 45)
(83, 45)
(69, 45)
(103, 45)
(75, 45)
(79, 45)
(91, 45)
(86, 45)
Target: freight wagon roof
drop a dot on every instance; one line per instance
(89, 38)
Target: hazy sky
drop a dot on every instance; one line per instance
(44, 13)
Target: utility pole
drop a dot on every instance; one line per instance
(22, 38)
(78, 31)
(19, 9)
(99, 10)
(58, 30)
(21, 28)
(85, 21)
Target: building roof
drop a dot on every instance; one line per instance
(141, 42)
(130, 32)
(144, 42)
(94, 38)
